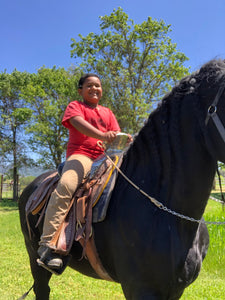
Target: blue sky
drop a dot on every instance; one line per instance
(37, 33)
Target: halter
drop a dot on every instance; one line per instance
(212, 114)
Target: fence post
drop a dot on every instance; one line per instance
(1, 187)
(17, 187)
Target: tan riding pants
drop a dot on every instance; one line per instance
(75, 169)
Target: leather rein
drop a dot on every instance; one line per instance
(211, 114)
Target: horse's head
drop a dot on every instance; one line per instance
(209, 84)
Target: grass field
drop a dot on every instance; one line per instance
(15, 276)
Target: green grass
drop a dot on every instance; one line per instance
(210, 283)
(16, 279)
(15, 276)
(7, 195)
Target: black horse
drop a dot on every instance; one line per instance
(150, 250)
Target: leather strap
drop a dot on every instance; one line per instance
(93, 257)
(212, 114)
(219, 125)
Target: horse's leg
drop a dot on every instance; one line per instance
(41, 276)
(135, 292)
(41, 280)
(139, 294)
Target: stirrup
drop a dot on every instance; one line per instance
(59, 271)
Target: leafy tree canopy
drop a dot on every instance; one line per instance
(13, 117)
(48, 94)
(13, 114)
(138, 64)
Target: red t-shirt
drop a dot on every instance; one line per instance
(100, 117)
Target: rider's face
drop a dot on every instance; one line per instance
(91, 91)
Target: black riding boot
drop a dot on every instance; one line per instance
(50, 260)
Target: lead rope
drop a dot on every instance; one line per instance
(159, 204)
(26, 294)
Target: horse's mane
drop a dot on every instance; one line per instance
(211, 73)
(166, 119)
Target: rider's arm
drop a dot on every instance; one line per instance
(86, 128)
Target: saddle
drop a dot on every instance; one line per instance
(88, 205)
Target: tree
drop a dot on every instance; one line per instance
(13, 116)
(48, 94)
(138, 63)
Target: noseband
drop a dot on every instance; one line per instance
(212, 114)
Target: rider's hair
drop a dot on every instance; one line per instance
(84, 77)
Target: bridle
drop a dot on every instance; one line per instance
(211, 114)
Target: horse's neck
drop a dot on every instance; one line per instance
(174, 158)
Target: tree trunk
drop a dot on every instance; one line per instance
(15, 177)
(1, 187)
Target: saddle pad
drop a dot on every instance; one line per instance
(100, 207)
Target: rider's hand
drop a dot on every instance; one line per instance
(129, 138)
(109, 136)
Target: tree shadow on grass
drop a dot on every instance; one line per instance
(8, 205)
